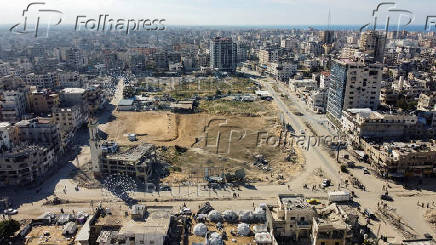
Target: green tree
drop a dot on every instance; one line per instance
(8, 228)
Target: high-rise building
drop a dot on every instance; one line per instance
(13, 105)
(327, 37)
(353, 85)
(269, 55)
(373, 44)
(223, 54)
(76, 59)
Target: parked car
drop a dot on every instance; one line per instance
(368, 213)
(326, 183)
(386, 198)
(10, 211)
(365, 171)
(165, 188)
(313, 201)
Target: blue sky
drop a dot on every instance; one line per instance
(224, 12)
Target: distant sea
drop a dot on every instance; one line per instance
(412, 28)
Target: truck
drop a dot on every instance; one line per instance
(339, 196)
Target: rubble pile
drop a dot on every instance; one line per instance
(430, 216)
(261, 163)
(205, 208)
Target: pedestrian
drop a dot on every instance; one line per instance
(253, 204)
(428, 205)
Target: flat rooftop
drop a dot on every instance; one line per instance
(5, 124)
(73, 90)
(157, 222)
(293, 201)
(133, 154)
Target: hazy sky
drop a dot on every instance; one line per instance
(223, 12)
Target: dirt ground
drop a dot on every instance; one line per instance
(221, 143)
(54, 236)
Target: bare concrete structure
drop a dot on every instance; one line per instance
(293, 217)
(24, 165)
(400, 159)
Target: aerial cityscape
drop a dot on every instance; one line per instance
(281, 122)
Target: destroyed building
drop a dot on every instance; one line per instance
(116, 228)
(292, 220)
(400, 159)
(334, 226)
(139, 162)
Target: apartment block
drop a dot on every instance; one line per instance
(329, 232)
(269, 55)
(68, 120)
(223, 54)
(365, 123)
(353, 85)
(43, 101)
(39, 131)
(427, 102)
(373, 44)
(70, 79)
(41, 81)
(317, 100)
(281, 71)
(401, 159)
(13, 104)
(8, 136)
(24, 165)
(293, 218)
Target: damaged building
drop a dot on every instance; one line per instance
(139, 162)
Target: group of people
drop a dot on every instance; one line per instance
(422, 204)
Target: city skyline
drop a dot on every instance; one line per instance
(231, 13)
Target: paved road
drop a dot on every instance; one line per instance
(315, 157)
(405, 200)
